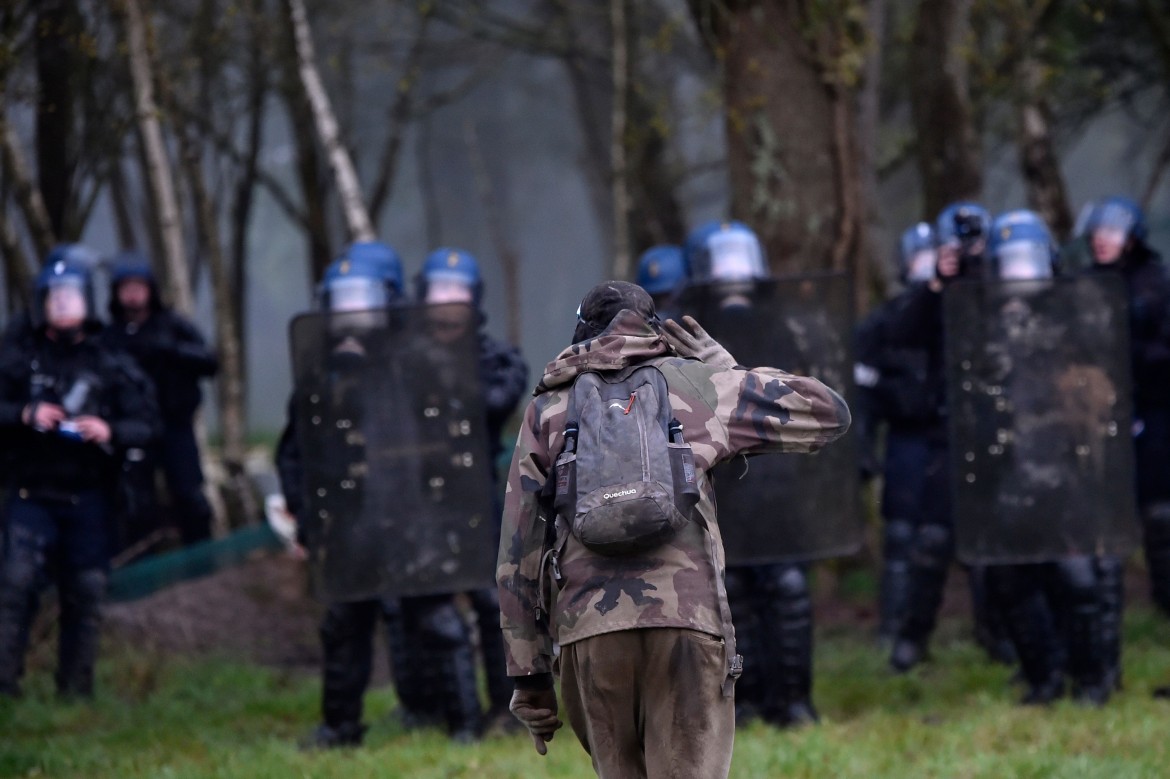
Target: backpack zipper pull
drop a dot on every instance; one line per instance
(633, 395)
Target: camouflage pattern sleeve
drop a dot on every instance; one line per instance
(757, 410)
(519, 572)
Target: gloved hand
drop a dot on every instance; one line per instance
(693, 341)
(537, 710)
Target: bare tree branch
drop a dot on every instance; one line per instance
(357, 218)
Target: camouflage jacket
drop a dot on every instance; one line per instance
(725, 412)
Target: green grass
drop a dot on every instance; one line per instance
(176, 717)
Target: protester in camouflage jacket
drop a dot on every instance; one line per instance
(726, 410)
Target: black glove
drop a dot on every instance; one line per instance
(537, 710)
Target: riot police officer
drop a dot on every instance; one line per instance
(452, 275)
(662, 272)
(72, 405)
(367, 279)
(1115, 232)
(1052, 609)
(913, 331)
(173, 353)
(891, 382)
(771, 606)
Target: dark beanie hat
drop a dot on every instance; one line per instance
(602, 303)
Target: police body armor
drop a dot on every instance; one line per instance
(781, 507)
(1040, 415)
(393, 439)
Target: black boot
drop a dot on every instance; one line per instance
(1015, 590)
(345, 734)
(895, 584)
(745, 603)
(1081, 601)
(788, 629)
(1111, 581)
(461, 702)
(415, 680)
(1156, 540)
(445, 641)
(928, 577)
(347, 635)
(990, 631)
(19, 582)
(81, 598)
(495, 665)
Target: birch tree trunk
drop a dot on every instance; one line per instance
(27, 195)
(158, 167)
(357, 217)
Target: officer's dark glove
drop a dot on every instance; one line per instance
(693, 341)
(534, 703)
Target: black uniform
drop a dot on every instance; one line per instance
(60, 492)
(174, 355)
(1148, 287)
(429, 641)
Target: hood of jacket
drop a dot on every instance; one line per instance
(628, 340)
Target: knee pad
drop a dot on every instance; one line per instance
(934, 546)
(442, 626)
(898, 539)
(791, 583)
(1078, 579)
(1156, 522)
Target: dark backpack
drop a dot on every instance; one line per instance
(625, 481)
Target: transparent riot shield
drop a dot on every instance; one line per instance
(786, 507)
(392, 433)
(1038, 386)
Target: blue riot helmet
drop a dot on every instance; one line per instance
(1113, 226)
(1021, 247)
(724, 251)
(367, 276)
(63, 291)
(383, 257)
(662, 269)
(919, 253)
(450, 276)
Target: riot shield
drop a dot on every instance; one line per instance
(394, 447)
(786, 507)
(1038, 385)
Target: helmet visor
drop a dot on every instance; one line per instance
(920, 265)
(449, 290)
(1113, 216)
(65, 302)
(735, 256)
(356, 294)
(1024, 261)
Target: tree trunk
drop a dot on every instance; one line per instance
(1045, 185)
(158, 167)
(58, 28)
(18, 276)
(357, 218)
(950, 157)
(870, 281)
(505, 250)
(619, 175)
(789, 117)
(230, 386)
(27, 195)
